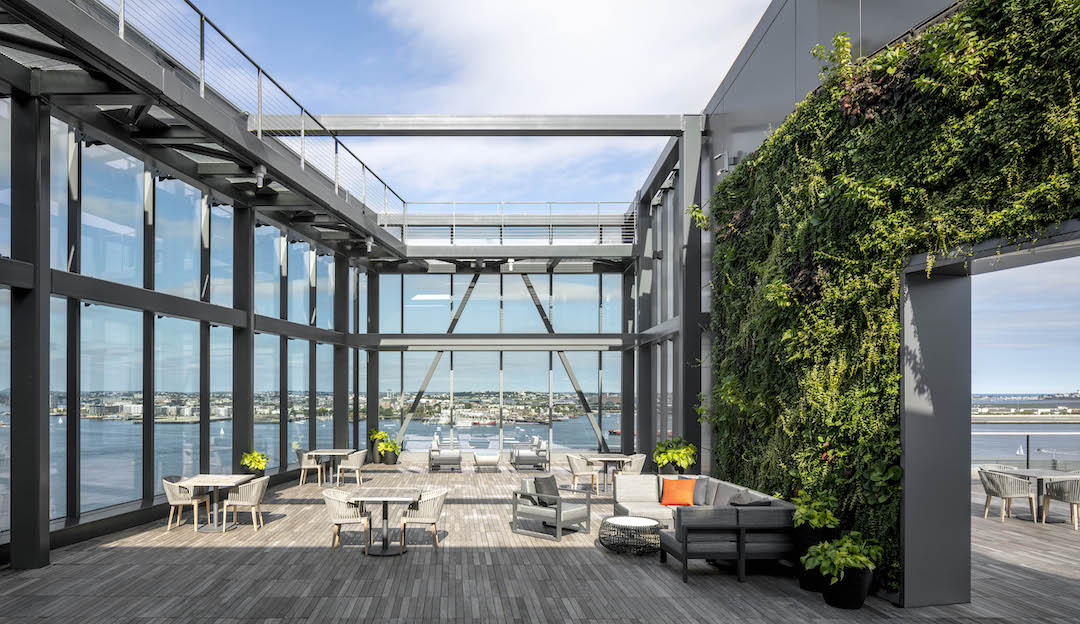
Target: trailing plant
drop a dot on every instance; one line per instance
(815, 512)
(833, 558)
(389, 445)
(675, 451)
(966, 132)
(253, 460)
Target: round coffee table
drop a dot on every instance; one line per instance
(630, 535)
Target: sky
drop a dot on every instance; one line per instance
(497, 57)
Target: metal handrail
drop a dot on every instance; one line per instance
(1027, 440)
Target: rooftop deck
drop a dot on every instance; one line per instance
(484, 573)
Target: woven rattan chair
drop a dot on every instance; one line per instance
(342, 513)
(353, 462)
(1067, 492)
(308, 462)
(428, 510)
(580, 468)
(1006, 487)
(634, 466)
(248, 495)
(996, 467)
(179, 496)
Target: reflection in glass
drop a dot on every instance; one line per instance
(111, 404)
(299, 282)
(481, 312)
(432, 413)
(324, 396)
(611, 310)
(112, 215)
(5, 177)
(297, 380)
(571, 427)
(390, 400)
(221, 255)
(267, 398)
(268, 270)
(361, 319)
(177, 238)
(427, 304)
(221, 399)
(390, 305)
(5, 410)
(476, 398)
(58, 417)
(58, 194)
(611, 398)
(519, 311)
(324, 291)
(176, 399)
(526, 384)
(576, 303)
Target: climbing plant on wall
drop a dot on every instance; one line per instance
(967, 132)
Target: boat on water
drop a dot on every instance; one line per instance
(614, 431)
(486, 423)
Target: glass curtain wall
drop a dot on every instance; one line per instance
(268, 398)
(324, 396)
(324, 291)
(526, 396)
(112, 215)
(268, 270)
(299, 282)
(431, 414)
(221, 399)
(221, 255)
(297, 380)
(570, 425)
(176, 399)
(476, 404)
(5, 408)
(177, 238)
(610, 403)
(390, 399)
(58, 416)
(58, 194)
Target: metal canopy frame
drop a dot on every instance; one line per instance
(483, 125)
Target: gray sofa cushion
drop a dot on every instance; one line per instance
(546, 485)
(724, 492)
(713, 549)
(775, 516)
(637, 488)
(745, 498)
(656, 511)
(701, 488)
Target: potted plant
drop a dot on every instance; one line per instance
(814, 523)
(254, 462)
(848, 563)
(674, 454)
(389, 449)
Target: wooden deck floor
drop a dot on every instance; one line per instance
(482, 572)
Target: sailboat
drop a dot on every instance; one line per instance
(1020, 450)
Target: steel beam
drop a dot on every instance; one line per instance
(341, 353)
(477, 125)
(372, 381)
(243, 351)
(626, 420)
(148, 351)
(29, 468)
(583, 251)
(74, 330)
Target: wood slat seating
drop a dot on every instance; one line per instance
(353, 462)
(179, 496)
(249, 495)
(309, 462)
(342, 513)
(428, 511)
(1006, 487)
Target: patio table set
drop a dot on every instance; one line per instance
(1009, 483)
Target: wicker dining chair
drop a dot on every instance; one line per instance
(634, 466)
(1006, 487)
(1067, 492)
(996, 467)
(353, 462)
(247, 495)
(179, 496)
(309, 462)
(428, 510)
(342, 513)
(580, 468)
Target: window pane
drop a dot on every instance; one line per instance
(427, 304)
(353, 275)
(176, 399)
(221, 255)
(299, 435)
(58, 416)
(481, 313)
(324, 290)
(112, 215)
(525, 396)
(519, 311)
(611, 397)
(5, 178)
(221, 399)
(267, 398)
(324, 396)
(177, 238)
(361, 397)
(432, 414)
(361, 319)
(570, 426)
(576, 303)
(611, 311)
(390, 305)
(351, 441)
(299, 282)
(5, 409)
(390, 401)
(268, 243)
(58, 194)
(110, 433)
(476, 399)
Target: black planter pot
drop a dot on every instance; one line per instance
(252, 471)
(389, 458)
(849, 592)
(668, 469)
(806, 536)
(812, 580)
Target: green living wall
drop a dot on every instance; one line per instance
(969, 131)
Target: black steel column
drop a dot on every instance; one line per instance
(283, 356)
(74, 330)
(341, 352)
(373, 361)
(243, 352)
(205, 206)
(626, 421)
(148, 342)
(30, 334)
(312, 273)
(687, 351)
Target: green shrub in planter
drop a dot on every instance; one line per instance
(255, 462)
(677, 452)
(814, 522)
(848, 563)
(389, 449)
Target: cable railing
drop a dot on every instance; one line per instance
(1059, 451)
(181, 35)
(514, 223)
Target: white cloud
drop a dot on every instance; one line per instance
(551, 58)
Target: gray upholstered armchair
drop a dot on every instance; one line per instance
(442, 455)
(1068, 492)
(1006, 487)
(558, 511)
(535, 455)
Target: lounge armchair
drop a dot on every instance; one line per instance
(1067, 492)
(343, 513)
(179, 496)
(1006, 487)
(353, 462)
(440, 456)
(428, 510)
(558, 512)
(247, 495)
(535, 455)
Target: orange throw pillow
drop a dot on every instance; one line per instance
(678, 492)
